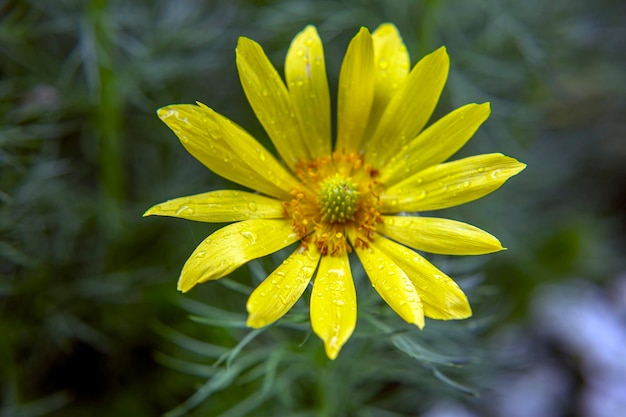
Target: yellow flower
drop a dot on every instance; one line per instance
(362, 197)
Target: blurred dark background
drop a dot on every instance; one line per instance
(90, 320)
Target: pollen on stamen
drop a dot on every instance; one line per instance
(337, 193)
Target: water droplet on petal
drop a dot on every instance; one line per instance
(185, 210)
(251, 237)
(252, 206)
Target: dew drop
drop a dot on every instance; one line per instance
(300, 52)
(467, 184)
(251, 237)
(252, 206)
(495, 174)
(185, 210)
(383, 64)
(265, 93)
(308, 42)
(339, 302)
(200, 254)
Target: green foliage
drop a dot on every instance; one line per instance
(90, 320)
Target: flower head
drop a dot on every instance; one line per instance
(363, 196)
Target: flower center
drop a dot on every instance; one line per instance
(336, 195)
(338, 199)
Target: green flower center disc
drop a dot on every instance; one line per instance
(338, 198)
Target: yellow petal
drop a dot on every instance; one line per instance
(392, 283)
(227, 149)
(282, 288)
(441, 296)
(220, 206)
(333, 303)
(437, 143)
(410, 108)
(232, 246)
(305, 71)
(356, 92)
(270, 101)
(451, 184)
(391, 63)
(435, 235)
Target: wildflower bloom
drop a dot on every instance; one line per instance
(361, 197)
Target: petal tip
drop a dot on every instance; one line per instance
(333, 346)
(255, 322)
(441, 52)
(331, 351)
(164, 112)
(386, 28)
(185, 284)
(244, 43)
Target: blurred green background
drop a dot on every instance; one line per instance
(90, 320)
